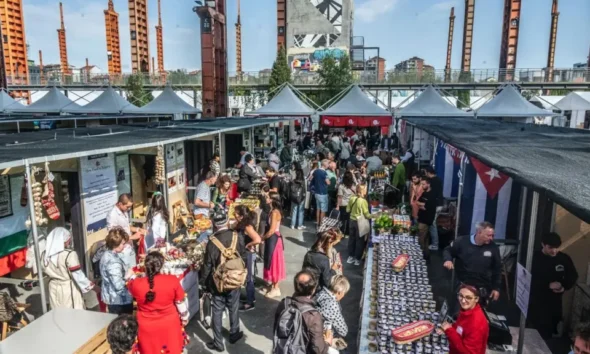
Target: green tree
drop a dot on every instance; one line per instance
(137, 94)
(179, 76)
(281, 72)
(333, 76)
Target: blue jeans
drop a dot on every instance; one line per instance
(434, 232)
(297, 211)
(250, 289)
(204, 236)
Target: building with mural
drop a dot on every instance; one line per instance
(316, 29)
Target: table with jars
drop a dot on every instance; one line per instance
(398, 311)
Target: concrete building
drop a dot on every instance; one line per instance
(315, 29)
(413, 64)
(377, 65)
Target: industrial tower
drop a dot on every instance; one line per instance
(450, 45)
(552, 42)
(111, 19)
(281, 24)
(14, 45)
(509, 44)
(41, 73)
(213, 58)
(467, 35)
(138, 28)
(63, 50)
(239, 44)
(160, 44)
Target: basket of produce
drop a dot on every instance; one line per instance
(411, 332)
(383, 222)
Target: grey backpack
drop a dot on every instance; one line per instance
(290, 335)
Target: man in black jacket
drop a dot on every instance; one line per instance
(230, 299)
(426, 215)
(247, 174)
(437, 189)
(477, 260)
(553, 273)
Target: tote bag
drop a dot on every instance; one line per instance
(362, 222)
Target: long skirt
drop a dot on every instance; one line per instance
(276, 272)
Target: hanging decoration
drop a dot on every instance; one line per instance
(37, 188)
(48, 197)
(160, 169)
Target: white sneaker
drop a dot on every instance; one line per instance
(302, 227)
(350, 260)
(357, 262)
(433, 248)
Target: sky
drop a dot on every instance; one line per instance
(401, 28)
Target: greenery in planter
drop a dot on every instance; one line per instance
(395, 229)
(414, 230)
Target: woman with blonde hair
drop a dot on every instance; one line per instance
(328, 304)
(358, 207)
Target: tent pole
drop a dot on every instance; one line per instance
(17, 126)
(521, 221)
(529, 260)
(31, 203)
(460, 193)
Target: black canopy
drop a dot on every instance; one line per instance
(546, 159)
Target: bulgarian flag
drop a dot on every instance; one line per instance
(13, 233)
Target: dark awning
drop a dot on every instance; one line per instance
(546, 159)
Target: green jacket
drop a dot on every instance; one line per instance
(357, 209)
(399, 177)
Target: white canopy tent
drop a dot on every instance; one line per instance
(546, 102)
(355, 103)
(109, 102)
(430, 103)
(168, 102)
(509, 103)
(53, 102)
(285, 103)
(7, 101)
(578, 103)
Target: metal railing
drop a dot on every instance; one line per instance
(312, 78)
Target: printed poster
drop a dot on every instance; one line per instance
(96, 209)
(170, 152)
(5, 196)
(523, 288)
(98, 174)
(123, 173)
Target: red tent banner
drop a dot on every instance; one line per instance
(335, 121)
(374, 121)
(354, 121)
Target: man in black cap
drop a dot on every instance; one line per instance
(553, 273)
(222, 300)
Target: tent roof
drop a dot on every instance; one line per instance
(108, 102)
(574, 102)
(547, 159)
(285, 103)
(510, 103)
(50, 145)
(431, 104)
(6, 100)
(355, 103)
(548, 102)
(168, 103)
(53, 102)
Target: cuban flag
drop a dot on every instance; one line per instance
(488, 195)
(447, 164)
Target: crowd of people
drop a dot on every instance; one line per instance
(332, 194)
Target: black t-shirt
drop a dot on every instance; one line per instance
(275, 183)
(437, 189)
(426, 215)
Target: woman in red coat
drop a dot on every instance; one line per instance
(162, 310)
(469, 334)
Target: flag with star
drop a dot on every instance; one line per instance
(447, 165)
(488, 195)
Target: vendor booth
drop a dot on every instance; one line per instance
(577, 105)
(352, 108)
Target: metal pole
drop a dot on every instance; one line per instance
(523, 200)
(529, 261)
(460, 194)
(35, 236)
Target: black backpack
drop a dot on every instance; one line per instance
(290, 336)
(297, 193)
(284, 188)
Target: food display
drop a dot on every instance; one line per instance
(412, 331)
(160, 171)
(400, 262)
(403, 221)
(177, 262)
(402, 309)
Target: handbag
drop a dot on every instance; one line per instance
(362, 222)
(307, 199)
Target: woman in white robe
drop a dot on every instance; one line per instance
(67, 282)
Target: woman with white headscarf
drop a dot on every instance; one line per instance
(67, 282)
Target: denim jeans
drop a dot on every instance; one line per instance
(434, 232)
(204, 236)
(231, 301)
(250, 289)
(297, 211)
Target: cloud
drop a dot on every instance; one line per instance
(371, 9)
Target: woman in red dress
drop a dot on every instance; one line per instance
(162, 310)
(469, 334)
(274, 259)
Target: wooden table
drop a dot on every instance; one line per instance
(62, 331)
(533, 343)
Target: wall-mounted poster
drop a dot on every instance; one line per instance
(123, 173)
(99, 189)
(5, 196)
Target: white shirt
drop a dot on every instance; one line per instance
(118, 218)
(157, 229)
(243, 159)
(406, 157)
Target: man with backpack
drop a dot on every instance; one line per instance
(223, 274)
(299, 327)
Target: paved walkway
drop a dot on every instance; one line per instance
(258, 324)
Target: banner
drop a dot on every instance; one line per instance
(99, 189)
(447, 165)
(488, 195)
